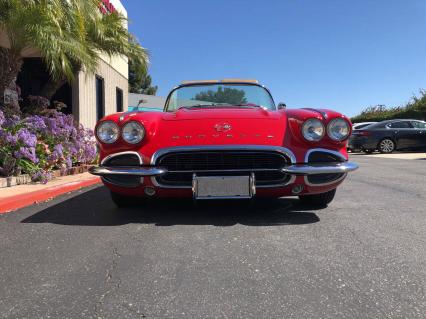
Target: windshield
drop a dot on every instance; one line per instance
(219, 95)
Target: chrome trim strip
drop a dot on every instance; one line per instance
(122, 153)
(326, 168)
(323, 114)
(227, 170)
(175, 149)
(133, 171)
(324, 150)
(324, 184)
(252, 184)
(194, 186)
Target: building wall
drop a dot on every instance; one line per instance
(119, 63)
(84, 93)
(115, 73)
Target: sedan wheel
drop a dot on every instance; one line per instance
(386, 146)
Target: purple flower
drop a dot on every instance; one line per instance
(41, 176)
(50, 140)
(2, 118)
(28, 153)
(57, 153)
(35, 123)
(68, 162)
(8, 138)
(26, 137)
(58, 149)
(12, 121)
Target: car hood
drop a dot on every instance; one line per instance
(221, 126)
(220, 113)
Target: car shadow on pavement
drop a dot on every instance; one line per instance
(95, 208)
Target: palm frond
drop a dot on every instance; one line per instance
(70, 34)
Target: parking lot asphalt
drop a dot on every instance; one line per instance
(363, 256)
(396, 155)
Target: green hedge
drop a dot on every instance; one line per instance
(414, 109)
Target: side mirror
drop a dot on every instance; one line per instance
(281, 106)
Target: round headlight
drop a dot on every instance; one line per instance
(338, 129)
(107, 132)
(133, 132)
(313, 130)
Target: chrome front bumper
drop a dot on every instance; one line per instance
(326, 168)
(295, 169)
(314, 173)
(130, 171)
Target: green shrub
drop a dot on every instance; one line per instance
(414, 109)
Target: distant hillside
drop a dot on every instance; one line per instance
(414, 109)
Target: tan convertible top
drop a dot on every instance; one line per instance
(222, 81)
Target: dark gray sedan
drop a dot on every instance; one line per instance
(388, 136)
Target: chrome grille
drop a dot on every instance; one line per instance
(182, 164)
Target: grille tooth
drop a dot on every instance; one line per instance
(181, 165)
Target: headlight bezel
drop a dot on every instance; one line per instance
(330, 127)
(310, 120)
(140, 126)
(115, 126)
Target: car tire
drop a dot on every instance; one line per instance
(322, 199)
(386, 146)
(124, 201)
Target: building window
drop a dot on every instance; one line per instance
(119, 99)
(100, 98)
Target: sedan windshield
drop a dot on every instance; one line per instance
(220, 96)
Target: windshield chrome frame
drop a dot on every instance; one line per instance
(166, 104)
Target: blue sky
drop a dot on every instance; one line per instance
(337, 54)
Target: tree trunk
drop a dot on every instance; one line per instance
(10, 65)
(51, 87)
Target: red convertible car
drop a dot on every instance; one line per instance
(223, 140)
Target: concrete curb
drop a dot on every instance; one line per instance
(15, 202)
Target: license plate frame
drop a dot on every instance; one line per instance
(223, 187)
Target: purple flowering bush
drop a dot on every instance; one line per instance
(37, 144)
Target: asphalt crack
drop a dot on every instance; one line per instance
(111, 280)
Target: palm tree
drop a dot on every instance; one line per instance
(139, 79)
(98, 33)
(70, 35)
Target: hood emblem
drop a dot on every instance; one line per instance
(222, 127)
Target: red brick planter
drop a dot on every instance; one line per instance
(25, 179)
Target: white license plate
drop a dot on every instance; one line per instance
(217, 187)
